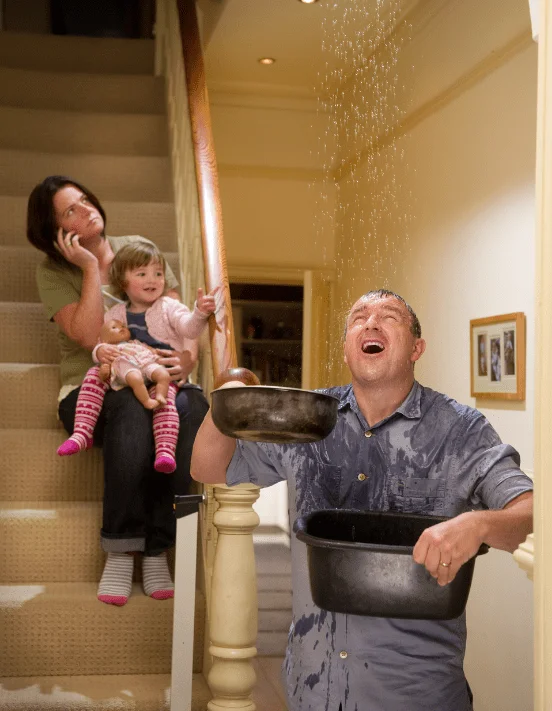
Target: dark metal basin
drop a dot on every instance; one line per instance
(361, 563)
(263, 413)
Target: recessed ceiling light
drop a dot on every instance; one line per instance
(266, 60)
(308, 2)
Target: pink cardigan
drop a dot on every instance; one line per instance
(167, 320)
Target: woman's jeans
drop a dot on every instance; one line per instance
(138, 512)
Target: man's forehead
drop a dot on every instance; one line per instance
(383, 299)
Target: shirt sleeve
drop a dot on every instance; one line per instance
(56, 288)
(489, 472)
(254, 463)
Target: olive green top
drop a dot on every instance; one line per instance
(60, 285)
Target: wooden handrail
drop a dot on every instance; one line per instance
(233, 594)
(221, 330)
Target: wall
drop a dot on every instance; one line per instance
(270, 171)
(465, 191)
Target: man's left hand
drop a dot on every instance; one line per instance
(447, 546)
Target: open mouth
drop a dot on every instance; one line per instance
(372, 347)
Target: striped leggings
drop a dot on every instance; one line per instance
(89, 405)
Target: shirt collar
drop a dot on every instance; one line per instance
(409, 408)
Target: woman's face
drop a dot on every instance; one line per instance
(75, 213)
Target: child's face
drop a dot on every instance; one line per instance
(144, 285)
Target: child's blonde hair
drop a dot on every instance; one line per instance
(133, 256)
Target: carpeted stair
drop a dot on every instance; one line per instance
(88, 108)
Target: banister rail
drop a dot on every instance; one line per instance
(223, 350)
(230, 580)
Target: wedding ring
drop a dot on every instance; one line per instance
(445, 565)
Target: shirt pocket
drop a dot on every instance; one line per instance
(317, 486)
(418, 495)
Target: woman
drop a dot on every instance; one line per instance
(67, 222)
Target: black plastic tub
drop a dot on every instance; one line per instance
(360, 563)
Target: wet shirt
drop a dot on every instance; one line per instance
(431, 456)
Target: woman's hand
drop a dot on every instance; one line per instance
(179, 364)
(106, 354)
(69, 246)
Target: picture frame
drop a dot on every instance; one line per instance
(497, 357)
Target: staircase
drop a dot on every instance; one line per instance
(90, 109)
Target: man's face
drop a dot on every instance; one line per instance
(379, 344)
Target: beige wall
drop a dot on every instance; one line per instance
(270, 173)
(466, 186)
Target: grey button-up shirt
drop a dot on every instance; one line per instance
(432, 456)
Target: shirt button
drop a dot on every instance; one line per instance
(343, 654)
(361, 477)
(368, 434)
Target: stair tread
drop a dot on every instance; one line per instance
(16, 596)
(123, 692)
(62, 628)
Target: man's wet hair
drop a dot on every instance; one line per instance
(415, 325)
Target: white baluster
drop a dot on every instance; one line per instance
(234, 600)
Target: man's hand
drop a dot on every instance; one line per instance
(447, 546)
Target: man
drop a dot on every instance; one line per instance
(397, 446)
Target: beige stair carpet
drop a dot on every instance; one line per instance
(61, 649)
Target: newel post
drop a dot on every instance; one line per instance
(233, 612)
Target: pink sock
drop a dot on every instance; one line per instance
(89, 406)
(165, 432)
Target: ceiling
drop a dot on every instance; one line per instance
(292, 32)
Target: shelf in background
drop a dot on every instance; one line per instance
(252, 305)
(271, 341)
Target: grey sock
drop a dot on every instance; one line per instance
(156, 577)
(116, 583)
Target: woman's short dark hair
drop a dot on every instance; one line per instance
(41, 219)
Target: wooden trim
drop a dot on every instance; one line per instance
(223, 351)
(543, 372)
(519, 319)
(269, 274)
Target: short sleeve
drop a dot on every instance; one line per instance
(489, 472)
(56, 287)
(254, 463)
(170, 280)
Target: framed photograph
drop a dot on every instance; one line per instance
(497, 349)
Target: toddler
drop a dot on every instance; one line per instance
(137, 273)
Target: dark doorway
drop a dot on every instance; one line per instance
(103, 18)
